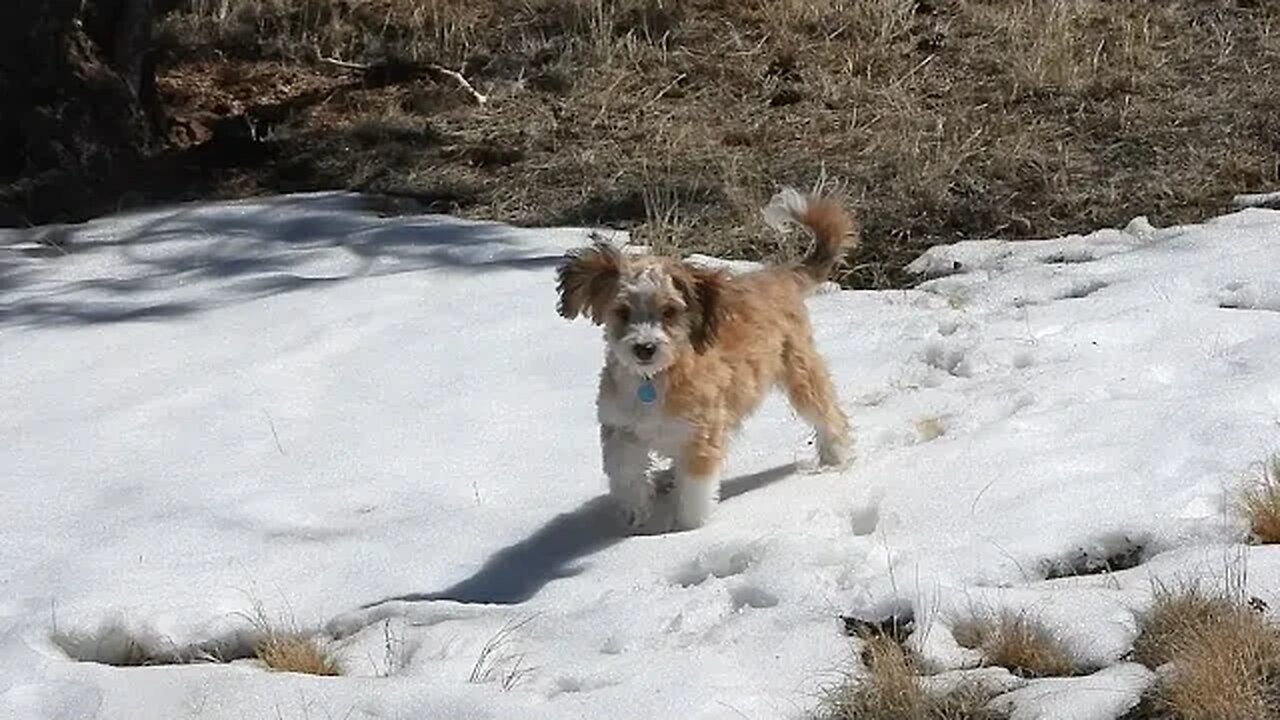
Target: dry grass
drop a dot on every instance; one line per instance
(296, 653)
(1016, 643)
(891, 690)
(499, 660)
(678, 119)
(1260, 501)
(1177, 615)
(1225, 656)
(283, 647)
(348, 29)
(285, 650)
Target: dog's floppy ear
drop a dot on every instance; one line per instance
(588, 281)
(701, 289)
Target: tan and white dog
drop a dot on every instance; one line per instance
(692, 352)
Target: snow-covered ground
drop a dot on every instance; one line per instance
(380, 429)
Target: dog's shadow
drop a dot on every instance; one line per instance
(516, 573)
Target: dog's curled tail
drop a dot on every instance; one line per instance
(834, 231)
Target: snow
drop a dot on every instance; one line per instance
(1245, 200)
(379, 429)
(1107, 693)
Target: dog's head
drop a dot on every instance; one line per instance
(652, 309)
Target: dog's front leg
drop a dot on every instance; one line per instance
(626, 463)
(698, 480)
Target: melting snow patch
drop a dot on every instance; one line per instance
(383, 424)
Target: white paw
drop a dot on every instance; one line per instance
(835, 454)
(695, 501)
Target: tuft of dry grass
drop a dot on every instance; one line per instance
(283, 647)
(891, 690)
(296, 653)
(1177, 616)
(1224, 654)
(1016, 643)
(1260, 501)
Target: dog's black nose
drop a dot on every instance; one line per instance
(644, 351)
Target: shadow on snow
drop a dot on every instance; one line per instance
(516, 573)
(178, 261)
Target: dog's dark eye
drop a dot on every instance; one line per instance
(624, 313)
(669, 313)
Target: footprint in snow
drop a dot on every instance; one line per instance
(1250, 296)
(750, 596)
(1081, 289)
(567, 684)
(723, 562)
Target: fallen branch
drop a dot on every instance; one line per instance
(476, 95)
(392, 71)
(344, 64)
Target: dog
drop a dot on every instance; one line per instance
(692, 352)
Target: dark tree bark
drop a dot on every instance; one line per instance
(78, 112)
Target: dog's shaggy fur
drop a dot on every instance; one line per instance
(692, 352)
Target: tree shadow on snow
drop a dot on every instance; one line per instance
(516, 573)
(168, 263)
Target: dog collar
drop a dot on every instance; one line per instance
(647, 392)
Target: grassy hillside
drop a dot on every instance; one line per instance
(940, 120)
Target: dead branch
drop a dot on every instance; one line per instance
(478, 97)
(386, 72)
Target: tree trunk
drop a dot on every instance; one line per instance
(76, 86)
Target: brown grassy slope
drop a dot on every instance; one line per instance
(944, 120)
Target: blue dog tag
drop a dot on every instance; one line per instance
(647, 392)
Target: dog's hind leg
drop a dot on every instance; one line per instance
(626, 463)
(812, 394)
